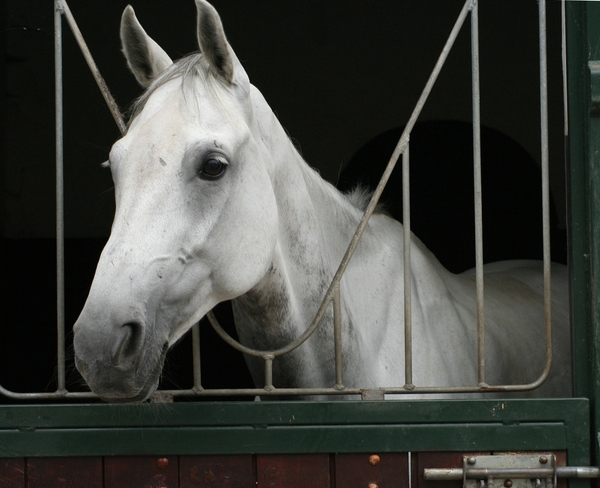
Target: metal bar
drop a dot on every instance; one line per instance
(436, 474)
(408, 358)
(545, 188)
(60, 214)
(269, 372)
(481, 376)
(401, 390)
(282, 392)
(110, 101)
(337, 335)
(196, 357)
(565, 84)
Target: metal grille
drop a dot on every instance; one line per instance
(332, 297)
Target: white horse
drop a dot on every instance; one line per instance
(213, 203)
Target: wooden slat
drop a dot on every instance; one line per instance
(216, 471)
(381, 469)
(293, 471)
(74, 472)
(142, 471)
(12, 473)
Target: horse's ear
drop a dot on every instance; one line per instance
(213, 43)
(145, 58)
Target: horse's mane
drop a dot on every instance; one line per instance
(360, 196)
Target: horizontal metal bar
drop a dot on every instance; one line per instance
(336, 390)
(578, 472)
(452, 474)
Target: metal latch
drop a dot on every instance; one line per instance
(511, 471)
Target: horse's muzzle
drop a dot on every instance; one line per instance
(118, 363)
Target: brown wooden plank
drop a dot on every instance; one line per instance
(293, 471)
(440, 460)
(12, 473)
(216, 471)
(73, 472)
(141, 471)
(386, 469)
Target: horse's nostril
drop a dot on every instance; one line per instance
(130, 343)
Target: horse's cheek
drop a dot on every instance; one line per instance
(246, 254)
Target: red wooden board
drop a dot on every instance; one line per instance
(84, 472)
(293, 471)
(385, 470)
(142, 472)
(12, 473)
(216, 471)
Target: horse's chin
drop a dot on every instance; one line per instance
(142, 394)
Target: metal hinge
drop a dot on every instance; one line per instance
(511, 471)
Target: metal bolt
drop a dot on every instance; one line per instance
(471, 460)
(543, 459)
(508, 483)
(162, 463)
(374, 460)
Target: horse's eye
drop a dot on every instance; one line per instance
(212, 169)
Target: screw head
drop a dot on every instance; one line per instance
(508, 483)
(543, 459)
(374, 460)
(471, 460)
(162, 463)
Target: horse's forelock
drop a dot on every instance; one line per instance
(188, 69)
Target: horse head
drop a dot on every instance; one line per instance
(195, 219)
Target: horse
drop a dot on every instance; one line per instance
(215, 203)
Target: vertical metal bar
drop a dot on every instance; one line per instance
(269, 372)
(545, 182)
(337, 334)
(60, 232)
(481, 377)
(110, 101)
(565, 85)
(408, 359)
(196, 357)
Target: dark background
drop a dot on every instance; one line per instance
(343, 77)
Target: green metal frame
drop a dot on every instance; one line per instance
(584, 188)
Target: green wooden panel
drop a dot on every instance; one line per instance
(295, 427)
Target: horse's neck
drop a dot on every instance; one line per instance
(315, 226)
